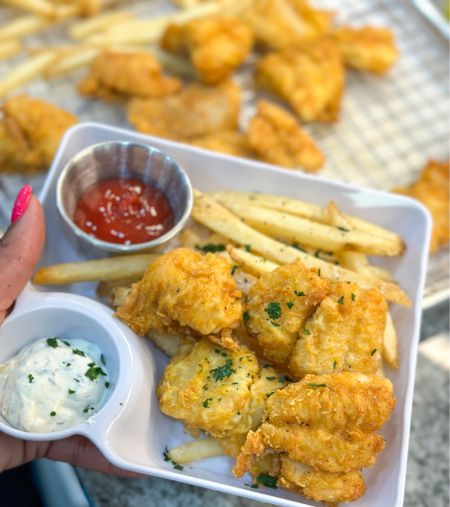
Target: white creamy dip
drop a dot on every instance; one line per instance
(52, 384)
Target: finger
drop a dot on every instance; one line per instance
(20, 249)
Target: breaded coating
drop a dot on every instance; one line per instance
(328, 423)
(213, 389)
(30, 133)
(185, 292)
(216, 46)
(194, 112)
(369, 48)
(230, 142)
(309, 76)
(277, 137)
(281, 23)
(345, 333)
(120, 75)
(279, 304)
(432, 189)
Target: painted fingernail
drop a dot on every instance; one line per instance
(21, 203)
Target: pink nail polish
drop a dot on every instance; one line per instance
(21, 202)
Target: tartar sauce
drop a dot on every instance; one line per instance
(52, 384)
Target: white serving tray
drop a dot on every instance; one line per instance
(135, 438)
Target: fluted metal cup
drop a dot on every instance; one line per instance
(118, 159)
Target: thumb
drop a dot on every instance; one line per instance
(20, 249)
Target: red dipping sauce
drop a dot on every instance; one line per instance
(124, 210)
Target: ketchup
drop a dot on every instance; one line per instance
(124, 210)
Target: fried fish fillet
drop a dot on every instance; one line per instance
(277, 137)
(215, 45)
(230, 142)
(322, 431)
(309, 76)
(281, 23)
(218, 391)
(194, 112)
(432, 189)
(369, 48)
(279, 304)
(188, 293)
(30, 132)
(119, 75)
(345, 333)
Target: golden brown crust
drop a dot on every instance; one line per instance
(230, 142)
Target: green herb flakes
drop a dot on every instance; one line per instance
(289, 304)
(78, 352)
(343, 229)
(246, 315)
(71, 391)
(273, 310)
(248, 248)
(306, 331)
(52, 342)
(340, 301)
(223, 371)
(267, 480)
(211, 247)
(52, 414)
(314, 386)
(93, 372)
(271, 378)
(353, 297)
(299, 293)
(373, 352)
(205, 404)
(334, 365)
(30, 378)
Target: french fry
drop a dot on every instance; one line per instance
(71, 60)
(108, 269)
(210, 213)
(305, 210)
(26, 71)
(90, 26)
(390, 344)
(196, 450)
(251, 263)
(39, 7)
(9, 48)
(299, 230)
(22, 26)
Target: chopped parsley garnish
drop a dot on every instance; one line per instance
(79, 352)
(343, 229)
(319, 271)
(102, 359)
(299, 293)
(71, 391)
(248, 248)
(340, 301)
(334, 365)
(306, 331)
(68, 364)
(274, 324)
(271, 378)
(52, 342)
(66, 343)
(107, 384)
(91, 364)
(223, 371)
(320, 251)
(353, 297)
(30, 378)
(373, 352)
(284, 379)
(52, 414)
(316, 385)
(268, 395)
(76, 380)
(211, 247)
(246, 315)
(86, 410)
(166, 457)
(273, 310)
(289, 304)
(234, 268)
(298, 247)
(267, 480)
(93, 372)
(205, 404)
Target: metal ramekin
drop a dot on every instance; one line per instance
(126, 160)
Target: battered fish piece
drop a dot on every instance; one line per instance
(309, 76)
(194, 112)
(321, 456)
(277, 137)
(184, 292)
(230, 142)
(30, 133)
(432, 189)
(344, 334)
(216, 46)
(119, 75)
(279, 304)
(369, 48)
(281, 23)
(218, 391)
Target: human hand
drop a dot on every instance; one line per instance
(20, 249)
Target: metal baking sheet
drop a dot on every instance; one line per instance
(390, 126)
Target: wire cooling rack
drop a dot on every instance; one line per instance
(390, 126)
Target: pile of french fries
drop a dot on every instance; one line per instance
(102, 26)
(262, 232)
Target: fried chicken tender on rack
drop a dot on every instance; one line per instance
(279, 304)
(230, 142)
(345, 333)
(218, 391)
(369, 48)
(432, 189)
(188, 293)
(194, 112)
(215, 45)
(277, 137)
(118, 75)
(319, 433)
(281, 23)
(309, 76)
(30, 132)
